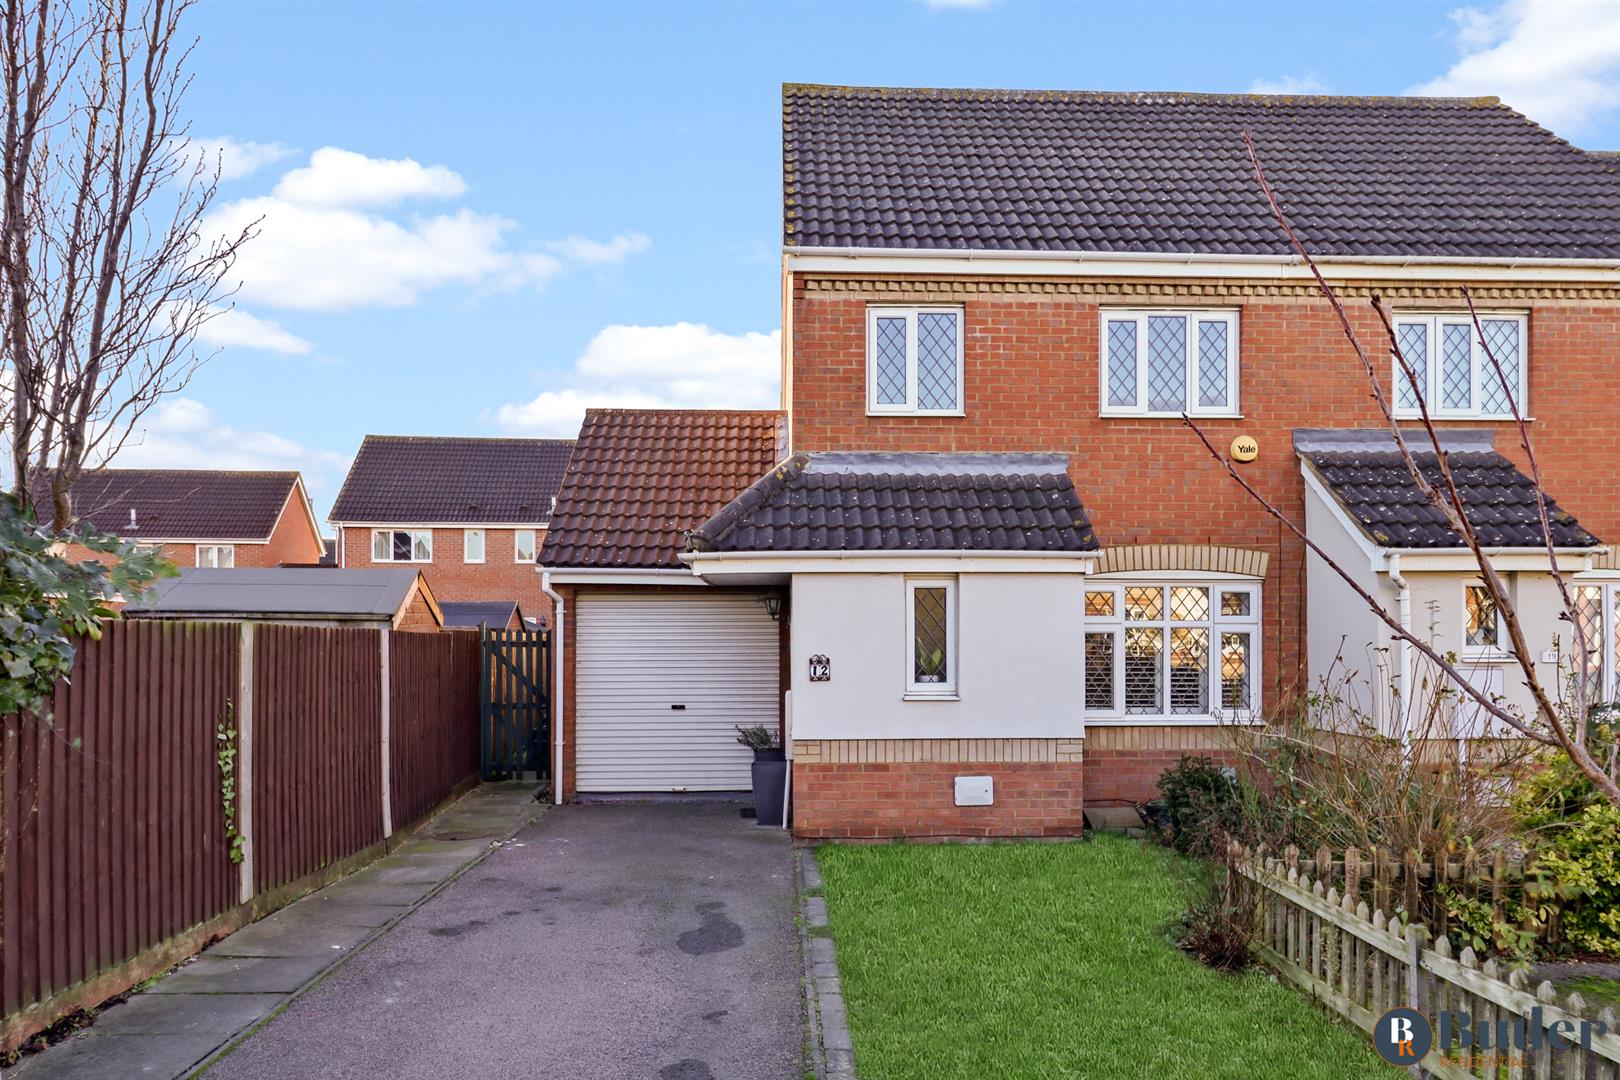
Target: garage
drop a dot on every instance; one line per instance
(663, 680)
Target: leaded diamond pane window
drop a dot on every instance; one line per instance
(890, 365)
(1100, 604)
(1413, 339)
(1144, 689)
(932, 636)
(1167, 364)
(1212, 363)
(1235, 670)
(1144, 605)
(1234, 603)
(1189, 604)
(1481, 628)
(914, 360)
(1454, 364)
(1122, 363)
(1189, 670)
(1100, 671)
(1589, 622)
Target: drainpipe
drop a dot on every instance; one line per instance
(558, 611)
(1403, 604)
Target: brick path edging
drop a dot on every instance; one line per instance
(832, 1054)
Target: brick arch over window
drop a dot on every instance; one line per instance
(1206, 557)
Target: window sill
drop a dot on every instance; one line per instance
(914, 695)
(917, 415)
(1462, 418)
(1179, 720)
(1486, 656)
(1116, 414)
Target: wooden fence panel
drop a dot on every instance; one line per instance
(317, 760)
(433, 719)
(112, 836)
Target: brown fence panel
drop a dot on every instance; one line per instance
(112, 834)
(317, 760)
(432, 719)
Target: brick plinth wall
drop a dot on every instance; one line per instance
(882, 789)
(1123, 763)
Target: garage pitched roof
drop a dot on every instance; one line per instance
(1025, 170)
(905, 502)
(283, 592)
(1364, 472)
(183, 504)
(419, 480)
(640, 479)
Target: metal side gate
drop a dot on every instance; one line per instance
(515, 704)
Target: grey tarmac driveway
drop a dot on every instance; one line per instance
(615, 940)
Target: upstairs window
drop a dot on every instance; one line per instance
(1171, 652)
(216, 556)
(1453, 370)
(401, 545)
(914, 361)
(472, 545)
(523, 546)
(1165, 363)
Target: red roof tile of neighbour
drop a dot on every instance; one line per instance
(183, 504)
(1031, 170)
(641, 479)
(422, 480)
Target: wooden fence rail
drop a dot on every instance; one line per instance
(115, 855)
(1361, 963)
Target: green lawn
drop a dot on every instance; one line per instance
(1047, 960)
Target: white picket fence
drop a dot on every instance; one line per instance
(1361, 964)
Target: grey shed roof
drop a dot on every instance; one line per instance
(1367, 476)
(474, 613)
(1036, 170)
(286, 592)
(905, 502)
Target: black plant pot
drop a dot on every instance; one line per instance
(770, 780)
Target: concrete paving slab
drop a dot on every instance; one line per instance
(358, 889)
(293, 932)
(118, 1057)
(187, 1014)
(243, 975)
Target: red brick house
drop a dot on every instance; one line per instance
(205, 518)
(1018, 586)
(469, 513)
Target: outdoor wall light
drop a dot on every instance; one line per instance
(773, 605)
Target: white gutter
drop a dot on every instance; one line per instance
(558, 610)
(1192, 257)
(921, 553)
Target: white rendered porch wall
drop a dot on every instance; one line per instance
(1343, 635)
(1019, 659)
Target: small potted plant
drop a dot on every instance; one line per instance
(770, 772)
(930, 665)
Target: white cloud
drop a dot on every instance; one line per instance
(684, 365)
(234, 328)
(336, 177)
(326, 243)
(1289, 84)
(182, 433)
(237, 158)
(582, 249)
(1556, 61)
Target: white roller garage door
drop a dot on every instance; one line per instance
(662, 681)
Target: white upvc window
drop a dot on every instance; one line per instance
(523, 546)
(1453, 370)
(1597, 609)
(931, 637)
(1172, 651)
(216, 556)
(1169, 362)
(914, 361)
(402, 545)
(1482, 623)
(472, 545)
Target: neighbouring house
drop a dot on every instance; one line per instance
(470, 513)
(204, 518)
(1014, 584)
(395, 598)
(477, 614)
(659, 667)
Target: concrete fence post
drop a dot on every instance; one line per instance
(385, 637)
(244, 757)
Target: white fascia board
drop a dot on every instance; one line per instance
(1375, 554)
(1139, 264)
(439, 524)
(721, 564)
(214, 541)
(610, 576)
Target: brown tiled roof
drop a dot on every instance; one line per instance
(182, 504)
(641, 479)
(905, 502)
(1026, 170)
(1366, 474)
(420, 480)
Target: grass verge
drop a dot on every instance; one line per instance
(1048, 960)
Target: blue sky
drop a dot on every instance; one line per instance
(479, 218)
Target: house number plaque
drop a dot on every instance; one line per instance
(820, 669)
